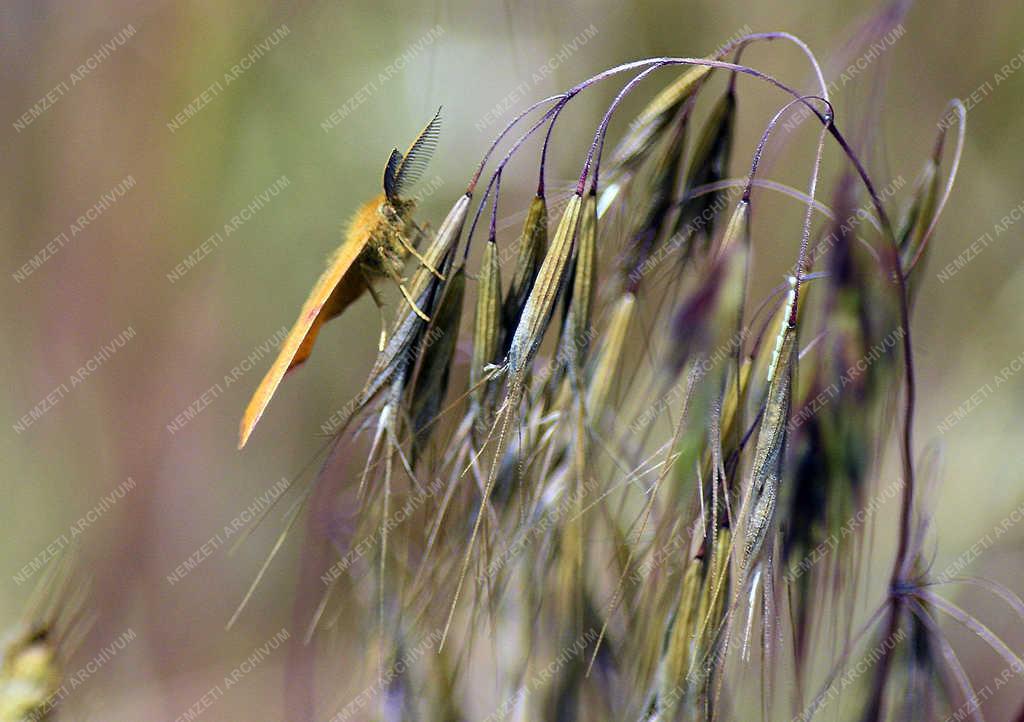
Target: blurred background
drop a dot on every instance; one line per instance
(174, 175)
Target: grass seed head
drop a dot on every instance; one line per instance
(710, 164)
(486, 326)
(533, 244)
(918, 219)
(540, 304)
(435, 359)
(609, 357)
(580, 296)
(650, 196)
(766, 472)
(560, 499)
(34, 657)
(643, 130)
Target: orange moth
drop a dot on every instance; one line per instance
(379, 238)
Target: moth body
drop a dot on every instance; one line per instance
(378, 241)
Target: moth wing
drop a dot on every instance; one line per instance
(332, 292)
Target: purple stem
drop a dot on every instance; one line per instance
(480, 169)
(497, 172)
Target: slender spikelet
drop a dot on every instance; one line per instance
(918, 216)
(709, 164)
(650, 197)
(676, 659)
(486, 327)
(30, 677)
(580, 298)
(533, 243)
(714, 303)
(734, 258)
(34, 656)
(636, 144)
(738, 230)
(710, 622)
(766, 473)
(918, 219)
(431, 377)
(609, 357)
(730, 428)
(541, 302)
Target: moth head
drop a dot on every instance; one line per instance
(396, 210)
(389, 210)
